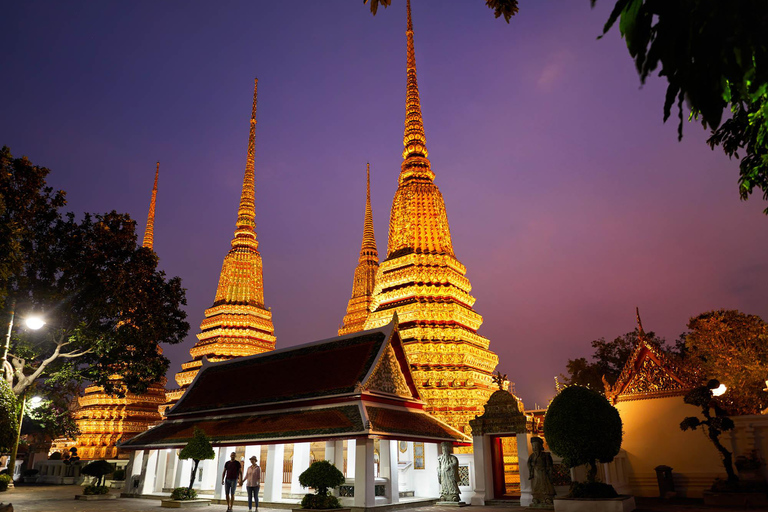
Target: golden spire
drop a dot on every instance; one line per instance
(365, 272)
(245, 233)
(640, 331)
(149, 231)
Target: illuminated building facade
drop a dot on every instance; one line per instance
(365, 272)
(423, 282)
(237, 324)
(104, 419)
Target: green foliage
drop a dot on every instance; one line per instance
(55, 456)
(198, 448)
(506, 8)
(582, 427)
(592, 490)
(714, 56)
(321, 476)
(182, 493)
(732, 347)
(98, 469)
(316, 501)
(712, 425)
(30, 472)
(95, 489)
(119, 474)
(9, 417)
(5, 479)
(608, 360)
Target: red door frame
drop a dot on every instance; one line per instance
(497, 463)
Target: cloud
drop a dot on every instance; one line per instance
(553, 70)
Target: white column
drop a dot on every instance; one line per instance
(481, 450)
(330, 452)
(300, 464)
(223, 457)
(132, 461)
(273, 480)
(181, 466)
(162, 459)
(389, 470)
(523, 451)
(250, 451)
(364, 491)
(350, 459)
(148, 471)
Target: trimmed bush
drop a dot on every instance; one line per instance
(95, 489)
(183, 493)
(98, 469)
(30, 472)
(582, 427)
(321, 476)
(198, 448)
(4, 481)
(592, 490)
(55, 456)
(119, 474)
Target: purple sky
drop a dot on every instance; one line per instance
(569, 201)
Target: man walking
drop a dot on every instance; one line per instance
(252, 482)
(231, 479)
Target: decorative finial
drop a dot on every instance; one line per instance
(149, 231)
(641, 333)
(368, 247)
(500, 379)
(246, 213)
(414, 140)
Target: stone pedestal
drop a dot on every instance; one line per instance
(451, 504)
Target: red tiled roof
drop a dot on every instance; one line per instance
(410, 423)
(329, 421)
(307, 371)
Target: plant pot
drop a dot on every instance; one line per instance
(30, 479)
(94, 497)
(735, 499)
(619, 504)
(168, 503)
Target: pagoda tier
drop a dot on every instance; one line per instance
(104, 419)
(422, 281)
(365, 272)
(238, 324)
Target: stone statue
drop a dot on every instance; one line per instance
(540, 471)
(448, 474)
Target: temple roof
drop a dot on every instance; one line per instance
(358, 385)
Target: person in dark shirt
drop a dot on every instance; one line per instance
(231, 479)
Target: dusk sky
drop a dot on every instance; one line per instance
(569, 201)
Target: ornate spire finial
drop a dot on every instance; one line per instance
(245, 233)
(368, 246)
(149, 231)
(641, 333)
(414, 140)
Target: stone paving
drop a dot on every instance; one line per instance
(56, 498)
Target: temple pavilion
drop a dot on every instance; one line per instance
(350, 399)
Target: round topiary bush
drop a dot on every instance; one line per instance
(321, 476)
(582, 427)
(183, 493)
(4, 481)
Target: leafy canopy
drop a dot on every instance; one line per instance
(714, 57)
(198, 448)
(582, 427)
(321, 476)
(506, 8)
(732, 347)
(9, 415)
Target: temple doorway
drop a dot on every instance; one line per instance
(506, 467)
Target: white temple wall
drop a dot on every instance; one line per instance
(425, 480)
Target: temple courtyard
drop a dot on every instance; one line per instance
(56, 498)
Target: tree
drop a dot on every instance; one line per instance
(97, 469)
(714, 56)
(582, 427)
(198, 448)
(608, 360)
(732, 347)
(506, 8)
(712, 425)
(8, 417)
(321, 476)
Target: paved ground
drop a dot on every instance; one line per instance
(56, 498)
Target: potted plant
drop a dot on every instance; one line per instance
(97, 490)
(198, 448)
(5, 479)
(582, 427)
(322, 476)
(118, 478)
(30, 476)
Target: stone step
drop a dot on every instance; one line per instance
(502, 503)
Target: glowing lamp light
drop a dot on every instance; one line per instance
(35, 402)
(719, 390)
(34, 322)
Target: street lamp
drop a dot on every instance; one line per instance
(34, 322)
(719, 390)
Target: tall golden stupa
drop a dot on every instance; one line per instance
(365, 272)
(104, 419)
(237, 324)
(423, 282)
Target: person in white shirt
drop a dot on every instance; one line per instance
(252, 482)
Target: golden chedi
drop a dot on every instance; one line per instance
(238, 324)
(365, 272)
(103, 418)
(423, 282)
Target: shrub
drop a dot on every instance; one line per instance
(95, 489)
(321, 476)
(592, 490)
(183, 493)
(119, 474)
(4, 481)
(582, 427)
(30, 472)
(97, 469)
(55, 456)
(198, 448)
